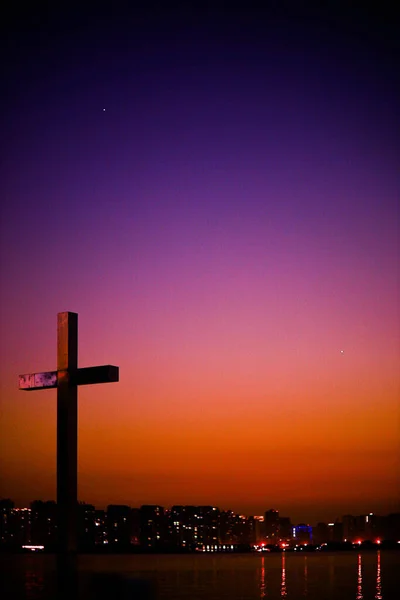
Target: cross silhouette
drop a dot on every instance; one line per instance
(66, 379)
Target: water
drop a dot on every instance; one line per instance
(336, 576)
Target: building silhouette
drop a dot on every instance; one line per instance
(86, 525)
(152, 526)
(303, 533)
(285, 529)
(271, 523)
(183, 527)
(259, 529)
(118, 525)
(321, 533)
(43, 523)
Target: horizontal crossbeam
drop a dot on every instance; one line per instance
(38, 381)
(86, 376)
(91, 375)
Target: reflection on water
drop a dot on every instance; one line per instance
(378, 593)
(283, 584)
(359, 579)
(263, 589)
(288, 576)
(331, 574)
(305, 576)
(33, 584)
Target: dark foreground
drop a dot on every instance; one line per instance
(339, 576)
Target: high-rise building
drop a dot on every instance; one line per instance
(7, 526)
(152, 526)
(321, 533)
(349, 528)
(285, 529)
(363, 527)
(271, 523)
(303, 534)
(86, 525)
(15, 525)
(259, 529)
(186, 526)
(243, 530)
(44, 523)
(100, 526)
(391, 527)
(135, 526)
(23, 526)
(208, 524)
(119, 525)
(226, 523)
(373, 527)
(335, 532)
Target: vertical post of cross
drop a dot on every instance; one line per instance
(66, 379)
(67, 431)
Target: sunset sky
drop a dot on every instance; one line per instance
(217, 196)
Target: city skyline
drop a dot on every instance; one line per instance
(193, 528)
(216, 195)
(229, 508)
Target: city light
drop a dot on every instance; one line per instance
(218, 531)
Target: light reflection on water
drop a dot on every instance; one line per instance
(378, 593)
(359, 579)
(33, 584)
(263, 589)
(286, 576)
(283, 584)
(305, 576)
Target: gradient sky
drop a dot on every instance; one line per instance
(224, 228)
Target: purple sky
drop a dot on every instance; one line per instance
(224, 228)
